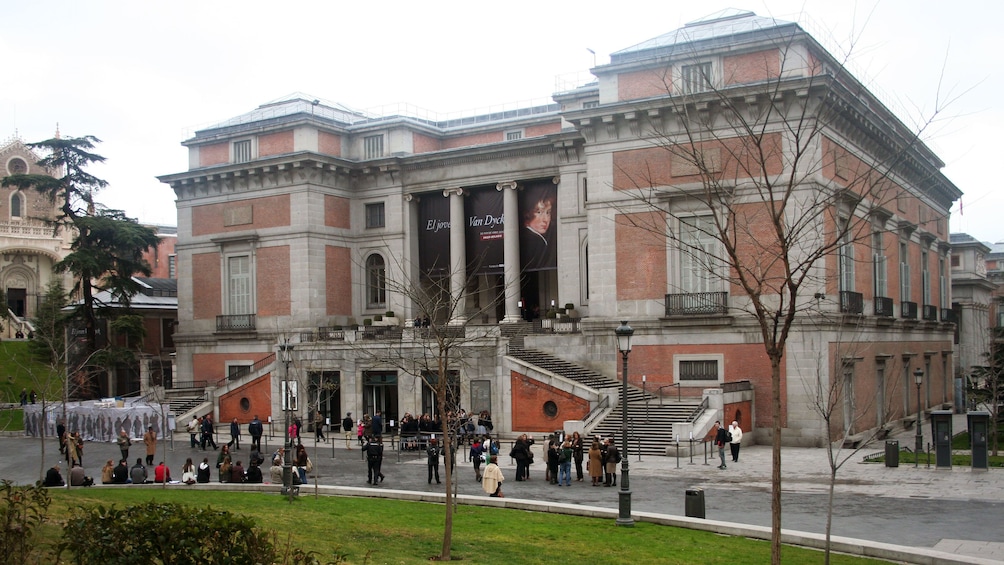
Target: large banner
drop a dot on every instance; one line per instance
(485, 231)
(97, 421)
(538, 245)
(434, 234)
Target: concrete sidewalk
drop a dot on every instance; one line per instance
(955, 510)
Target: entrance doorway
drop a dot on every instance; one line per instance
(324, 396)
(16, 301)
(380, 393)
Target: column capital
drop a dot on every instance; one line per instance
(510, 184)
(459, 191)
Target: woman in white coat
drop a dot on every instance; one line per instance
(737, 436)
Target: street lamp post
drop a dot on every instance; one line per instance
(624, 333)
(644, 392)
(918, 377)
(286, 356)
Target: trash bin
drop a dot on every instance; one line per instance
(695, 503)
(892, 453)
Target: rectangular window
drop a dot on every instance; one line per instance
(846, 257)
(242, 151)
(590, 104)
(239, 285)
(513, 135)
(373, 146)
(172, 266)
(695, 78)
(702, 370)
(925, 277)
(848, 397)
(880, 270)
(942, 284)
(904, 273)
(374, 215)
(167, 326)
(698, 254)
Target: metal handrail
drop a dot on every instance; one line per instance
(698, 411)
(241, 372)
(600, 406)
(659, 391)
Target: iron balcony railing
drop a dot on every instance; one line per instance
(235, 322)
(851, 302)
(697, 303)
(930, 313)
(883, 306)
(908, 310)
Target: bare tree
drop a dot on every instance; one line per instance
(986, 384)
(437, 354)
(766, 187)
(842, 407)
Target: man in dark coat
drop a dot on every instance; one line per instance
(721, 439)
(374, 460)
(255, 429)
(53, 478)
(433, 453)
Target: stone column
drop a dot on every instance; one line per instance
(510, 255)
(458, 255)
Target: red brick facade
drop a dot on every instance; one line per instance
(528, 399)
(275, 143)
(215, 154)
(336, 212)
(207, 300)
(265, 212)
(641, 253)
(338, 280)
(273, 281)
(258, 397)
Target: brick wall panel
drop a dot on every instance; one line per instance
(266, 212)
(528, 398)
(206, 294)
(273, 280)
(338, 280)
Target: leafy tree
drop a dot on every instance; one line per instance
(50, 325)
(107, 248)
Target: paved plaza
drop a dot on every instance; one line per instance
(958, 510)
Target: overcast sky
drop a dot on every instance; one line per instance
(143, 76)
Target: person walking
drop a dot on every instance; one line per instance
(721, 438)
(150, 440)
(491, 481)
(734, 444)
(376, 425)
(255, 429)
(374, 460)
(433, 454)
(235, 434)
(207, 432)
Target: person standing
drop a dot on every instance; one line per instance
(565, 464)
(150, 440)
(24, 397)
(61, 435)
(124, 443)
(255, 429)
(721, 438)
(613, 458)
(433, 454)
(193, 429)
(553, 456)
(374, 460)
(577, 455)
(595, 465)
(376, 425)
(734, 443)
(235, 435)
(319, 427)
(347, 428)
(491, 481)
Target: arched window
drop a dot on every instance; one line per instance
(16, 205)
(376, 282)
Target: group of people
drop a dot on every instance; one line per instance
(732, 437)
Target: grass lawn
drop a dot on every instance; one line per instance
(17, 366)
(377, 531)
(12, 420)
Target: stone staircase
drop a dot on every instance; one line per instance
(650, 422)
